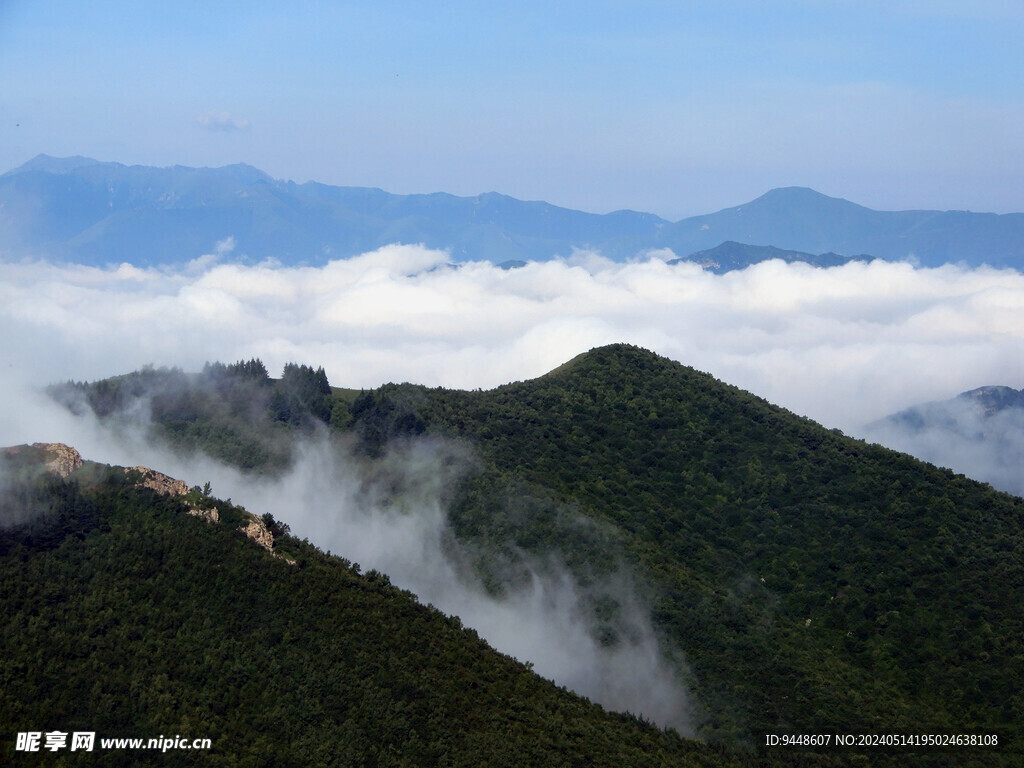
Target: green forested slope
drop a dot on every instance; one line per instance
(125, 616)
(235, 413)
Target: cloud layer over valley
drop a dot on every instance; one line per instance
(958, 434)
(844, 345)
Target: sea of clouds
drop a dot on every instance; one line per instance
(844, 345)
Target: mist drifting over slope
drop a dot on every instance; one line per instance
(959, 434)
(390, 515)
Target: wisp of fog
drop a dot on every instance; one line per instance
(958, 434)
(391, 516)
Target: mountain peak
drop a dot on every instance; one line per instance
(804, 197)
(796, 192)
(993, 399)
(57, 165)
(612, 360)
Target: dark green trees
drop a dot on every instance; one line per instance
(302, 394)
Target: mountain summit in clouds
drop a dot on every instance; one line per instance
(995, 399)
(984, 402)
(85, 211)
(731, 255)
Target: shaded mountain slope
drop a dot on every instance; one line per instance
(814, 581)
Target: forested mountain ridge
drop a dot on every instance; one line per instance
(815, 583)
(235, 413)
(731, 255)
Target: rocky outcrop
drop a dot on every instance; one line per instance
(159, 482)
(210, 515)
(993, 399)
(165, 485)
(58, 458)
(61, 459)
(169, 486)
(258, 532)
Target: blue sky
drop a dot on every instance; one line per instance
(672, 107)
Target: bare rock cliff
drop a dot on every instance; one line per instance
(58, 458)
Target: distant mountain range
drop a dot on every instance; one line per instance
(92, 212)
(984, 402)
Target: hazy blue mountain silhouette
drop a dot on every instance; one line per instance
(801, 219)
(93, 212)
(982, 403)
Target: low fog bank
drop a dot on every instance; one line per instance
(958, 434)
(390, 515)
(844, 345)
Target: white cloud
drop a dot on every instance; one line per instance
(219, 120)
(957, 434)
(843, 345)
